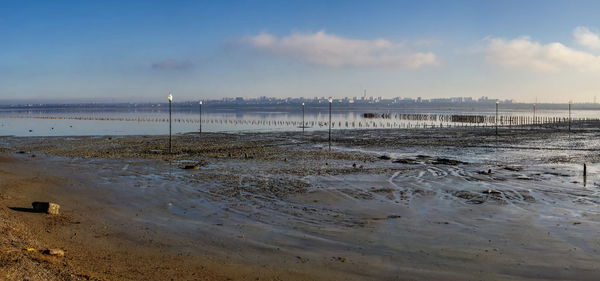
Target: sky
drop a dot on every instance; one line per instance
(547, 51)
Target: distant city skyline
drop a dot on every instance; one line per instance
(524, 51)
(295, 101)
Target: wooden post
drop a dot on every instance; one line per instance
(584, 174)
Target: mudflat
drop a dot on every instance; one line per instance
(445, 204)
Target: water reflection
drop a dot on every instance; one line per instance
(153, 121)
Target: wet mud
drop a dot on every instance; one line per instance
(381, 205)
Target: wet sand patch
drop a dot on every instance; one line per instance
(276, 201)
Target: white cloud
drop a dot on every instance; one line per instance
(334, 51)
(585, 37)
(522, 52)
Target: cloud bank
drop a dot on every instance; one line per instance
(523, 52)
(330, 50)
(585, 37)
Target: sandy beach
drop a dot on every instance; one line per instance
(443, 204)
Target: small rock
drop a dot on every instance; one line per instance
(491, 191)
(54, 252)
(384, 157)
(191, 167)
(46, 207)
(194, 166)
(405, 161)
(513, 169)
(446, 161)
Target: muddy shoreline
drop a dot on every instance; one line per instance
(449, 204)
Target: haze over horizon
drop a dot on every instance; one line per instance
(131, 51)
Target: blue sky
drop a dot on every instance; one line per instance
(141, 50)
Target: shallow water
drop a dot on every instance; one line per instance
(73, 121)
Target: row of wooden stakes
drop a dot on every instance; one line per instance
(415, 121)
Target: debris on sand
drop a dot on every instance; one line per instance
(194, 166)
(46, 207)
(491, 191)
(513, 169)
(338, 259)
(191, 167)
(54, 252)
(388, 217)
(384, 157)
(405, 161)
(446, 161)
(471, 198)
(382, 190)
(488, 172)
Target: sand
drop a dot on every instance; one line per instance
(383, 205)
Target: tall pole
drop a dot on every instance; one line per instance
(330, 102)
(170, 97)
(200, 115)
(534, 121)
(497, 102)
(570, 102)
(302, 118)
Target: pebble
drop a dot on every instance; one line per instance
(54, 252)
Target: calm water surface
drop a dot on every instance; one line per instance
(131, 121)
